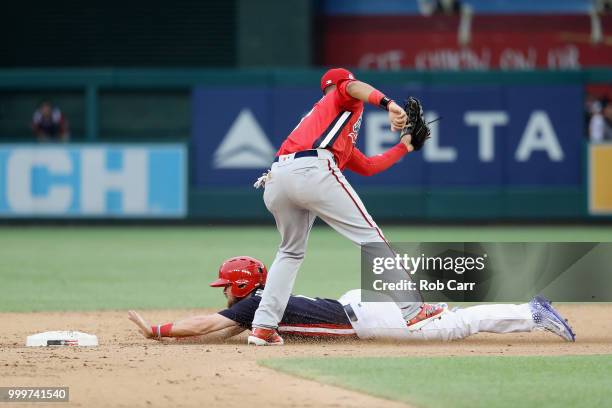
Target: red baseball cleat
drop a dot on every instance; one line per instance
(265, 337)
(427, 313)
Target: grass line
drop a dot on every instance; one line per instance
(538, 381)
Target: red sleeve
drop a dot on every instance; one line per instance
(368, 166)
(345, 100)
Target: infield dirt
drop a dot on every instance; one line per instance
(127, 370)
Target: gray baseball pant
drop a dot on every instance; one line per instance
(296, 192)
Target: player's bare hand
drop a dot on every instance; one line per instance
(397, 117)
(142, 324)
(406, 140)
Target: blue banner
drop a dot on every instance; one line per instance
(489, 135)
(128, 181)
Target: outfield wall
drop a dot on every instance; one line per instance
(511, 145)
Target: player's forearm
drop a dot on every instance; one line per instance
(214, 337)
(193, 326)
(369, 166)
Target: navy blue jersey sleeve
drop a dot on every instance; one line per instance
(242, 312)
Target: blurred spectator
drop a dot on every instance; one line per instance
(49, 124)
(448, 7)
(592, 106)
(603, 6)
(440, 7)
(600, 125)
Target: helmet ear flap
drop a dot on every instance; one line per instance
(262, 276)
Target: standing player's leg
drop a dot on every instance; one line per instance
(340, 207)
(293, 224)
(283, 271)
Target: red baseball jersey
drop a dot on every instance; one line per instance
(333, 124)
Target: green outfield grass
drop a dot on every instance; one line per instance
(563, 381)
(81, 268)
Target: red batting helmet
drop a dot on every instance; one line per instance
(243, 273)
(333, 76)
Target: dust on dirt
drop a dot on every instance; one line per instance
(127, 370)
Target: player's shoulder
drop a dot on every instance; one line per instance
(304, 298)
(248, 302)
(256, 297)
(253, 300)
(241, 307)
(335, 101)
(345, 100)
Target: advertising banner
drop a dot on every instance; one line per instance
(495, 42)
(488, 135)
(123, 181)
(600, 187)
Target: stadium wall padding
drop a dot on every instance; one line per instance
(173, 88)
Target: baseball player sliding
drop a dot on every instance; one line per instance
(306, 181)
(243, 280)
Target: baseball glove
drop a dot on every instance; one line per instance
(416, 127)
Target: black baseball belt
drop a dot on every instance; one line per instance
(303, 153)
(348, 309)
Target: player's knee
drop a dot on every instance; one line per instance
(290, 255)
(375, 235)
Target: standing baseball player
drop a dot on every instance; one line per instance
(243, 278)
(306, 181)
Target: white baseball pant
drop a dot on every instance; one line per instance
(383, 320)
